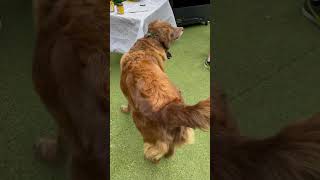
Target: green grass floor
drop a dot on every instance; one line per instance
(268, 61)
(186, 70)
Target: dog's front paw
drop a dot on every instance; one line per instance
(124, 108)
(154, 152)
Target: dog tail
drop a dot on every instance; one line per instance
(195, 116)
(293, 154)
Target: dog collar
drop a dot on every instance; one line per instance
(154, 35)
(151, 34)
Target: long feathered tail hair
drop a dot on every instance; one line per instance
(292, 154)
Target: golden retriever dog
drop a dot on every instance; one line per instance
(292, 154)
(70, 74)
(157, 107)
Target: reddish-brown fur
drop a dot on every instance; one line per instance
(156, 104)
(292, 154)
(70, 73)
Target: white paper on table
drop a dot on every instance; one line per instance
(133, 24)
(137, 8)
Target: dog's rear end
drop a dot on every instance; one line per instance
(292, 154)
(70, 73)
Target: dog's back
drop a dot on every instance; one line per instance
(70, 73)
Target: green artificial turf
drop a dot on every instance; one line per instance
(186, 70)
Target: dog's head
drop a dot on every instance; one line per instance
(165, 33)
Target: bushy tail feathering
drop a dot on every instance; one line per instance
(292, 154)
(195, 116)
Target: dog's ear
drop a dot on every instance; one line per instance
(166, 36)
(152, 24)
(166, 39)
(164, 32)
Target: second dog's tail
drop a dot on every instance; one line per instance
(293, 154)
(194, 116)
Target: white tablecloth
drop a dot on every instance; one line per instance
(127, 28)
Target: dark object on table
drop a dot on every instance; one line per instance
(190, 12)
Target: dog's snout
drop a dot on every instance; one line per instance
(178, 32)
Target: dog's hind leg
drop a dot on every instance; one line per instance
(171, 151)
(188, 136)
(184, 137)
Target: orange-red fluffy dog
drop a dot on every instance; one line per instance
(157, 107)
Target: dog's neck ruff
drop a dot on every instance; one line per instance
(155, 36)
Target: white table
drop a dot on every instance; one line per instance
(125, 29)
